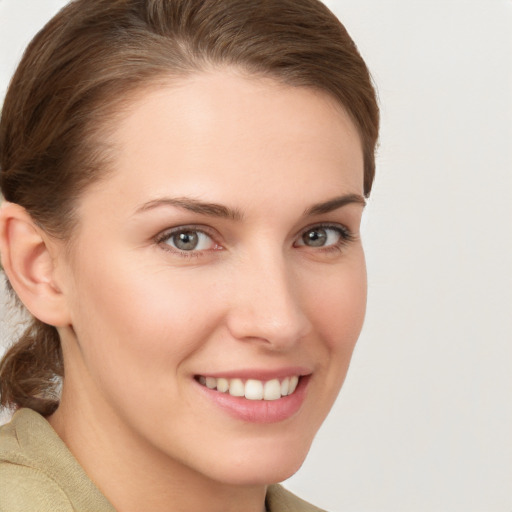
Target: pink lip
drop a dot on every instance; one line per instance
(259, 411)
(260, 374)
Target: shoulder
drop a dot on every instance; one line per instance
(281, 500)
(38, 473)
(25, 487)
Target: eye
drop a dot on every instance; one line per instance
(187, 240)
(324, 236)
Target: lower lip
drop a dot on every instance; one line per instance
(259, 411)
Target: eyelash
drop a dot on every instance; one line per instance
(346, 237)
(161, 238)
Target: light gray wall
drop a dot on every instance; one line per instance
(424, 422)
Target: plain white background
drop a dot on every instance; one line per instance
(424, 422)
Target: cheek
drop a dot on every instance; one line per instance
(339, 311)
(137, 320)
(338, 318)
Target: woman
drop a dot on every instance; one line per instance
(183, 183)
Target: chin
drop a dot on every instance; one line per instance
(262, 465)
(271, 472)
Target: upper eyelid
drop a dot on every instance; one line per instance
(166, 233)
(326, 225)
(207, 230)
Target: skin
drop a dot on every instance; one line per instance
(143, 319)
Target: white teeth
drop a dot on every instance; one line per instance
(222, 385)
(211, 382)
(252, 389)
(285, 386)
(236, 387)
(293, 384)
(272, 390)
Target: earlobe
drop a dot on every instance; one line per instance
(30, 266)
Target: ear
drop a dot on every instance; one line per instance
(26, 252)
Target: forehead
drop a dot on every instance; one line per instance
(222, 133)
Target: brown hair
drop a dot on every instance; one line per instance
(82, 67)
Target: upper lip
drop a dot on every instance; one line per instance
(263, 374)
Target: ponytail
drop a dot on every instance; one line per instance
(31, 370)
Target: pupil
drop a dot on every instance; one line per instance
(315, 238)
(186, 241)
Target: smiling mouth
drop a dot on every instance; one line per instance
(252, 389)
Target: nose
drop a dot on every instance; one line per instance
(266, 304)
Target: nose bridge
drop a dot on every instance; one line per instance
(267, 303)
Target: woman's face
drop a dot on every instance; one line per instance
(223, 251)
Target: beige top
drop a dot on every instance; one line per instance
(39, 474)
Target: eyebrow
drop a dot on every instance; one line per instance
(335, 203)
(196, 206)
(221, 211)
